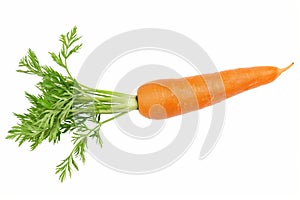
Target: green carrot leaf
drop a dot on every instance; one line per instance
(64, 106)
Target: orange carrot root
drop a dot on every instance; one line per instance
(286, 68)
(166, 98)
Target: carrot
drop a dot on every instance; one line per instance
(166, 98)
(65, 105)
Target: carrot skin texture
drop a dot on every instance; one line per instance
(161, 99)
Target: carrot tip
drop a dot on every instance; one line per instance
(286, 68)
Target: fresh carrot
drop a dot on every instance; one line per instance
(65, 105)
(166, 98)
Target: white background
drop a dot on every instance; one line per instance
(258, 154)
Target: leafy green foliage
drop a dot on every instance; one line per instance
(64, 106)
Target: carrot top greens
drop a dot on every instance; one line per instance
(65, 106)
